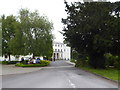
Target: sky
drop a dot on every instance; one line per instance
(53, 9)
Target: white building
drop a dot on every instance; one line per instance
(61, 51)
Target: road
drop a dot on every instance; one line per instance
(58, 75)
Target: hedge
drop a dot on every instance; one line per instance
(42, 63)
(9, 62)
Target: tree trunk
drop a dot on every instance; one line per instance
(33, 56)
(97, 60)
(5, 57)
(9, 56)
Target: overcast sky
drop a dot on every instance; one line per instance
(53, 9)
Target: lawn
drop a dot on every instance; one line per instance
(109, 73)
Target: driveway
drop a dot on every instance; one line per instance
(12, 69)
(58, 75)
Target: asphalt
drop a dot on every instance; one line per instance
(59, 74)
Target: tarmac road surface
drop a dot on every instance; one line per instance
(58, 75)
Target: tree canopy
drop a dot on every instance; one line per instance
(93, 28)
(27, 33)
(8, 32)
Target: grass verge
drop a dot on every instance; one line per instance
(109, 73)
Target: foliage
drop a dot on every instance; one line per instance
(92, 28)
(0, 42)
(16, 44)
(45, 62)
(74, 54)
(73, 60)
(112, 60)
(9, 62)
(8, 32)
(27, 33)
(37, 30)
(42, 63)
(117, 62)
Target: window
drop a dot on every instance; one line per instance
(61, 50)
(58, 45)
(58, 50)
(61, 45)
(55, 49)
(61, 55)
(64, 49)
(55, 44)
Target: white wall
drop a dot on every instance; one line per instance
(66, 51)
(19, 59)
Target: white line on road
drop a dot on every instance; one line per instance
(57, 67)
(73, 85)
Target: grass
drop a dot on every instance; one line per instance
(109, 73)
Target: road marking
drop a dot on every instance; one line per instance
(58, 67)
(73, 85)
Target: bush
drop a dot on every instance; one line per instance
(73, 60)
(0, 62)
(45, 62)
(9, 62)
(117, 62)
(24, 62)
(112, 60)
(81, 62)
(42, 63)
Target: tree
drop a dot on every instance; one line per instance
(37, 33)
(16, 44)
(91, 28)
(8, 32)
(0, 37)
(27, 34)
(0, 42)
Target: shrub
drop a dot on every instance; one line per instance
(45, 62)
(117, 62)
(42, 63)
(112, 60)
(9, 62)
(24, 62)
(73, 60)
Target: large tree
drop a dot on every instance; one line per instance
(8, 32)
(37, 32)
(16, 44)
(27, 33)
(92, 28)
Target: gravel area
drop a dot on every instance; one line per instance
(12, 69)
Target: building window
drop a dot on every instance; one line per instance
(61, 45)
(55, 45)
(64, 49)
(61, 50)
(61, 55)
(58, 50)
(55, 49)
(58, 45)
